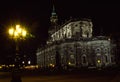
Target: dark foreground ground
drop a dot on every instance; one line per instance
(71, 76)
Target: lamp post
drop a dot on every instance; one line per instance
(17, 33)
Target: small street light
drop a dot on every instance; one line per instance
(29, 62)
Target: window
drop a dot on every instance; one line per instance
(76, 25)
(84, 60)
(69, 35)
(106, 59)
(84, 50)
(112, 59)
(98, 50)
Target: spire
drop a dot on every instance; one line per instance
(53, 20)
(53, 11)
(53, 17)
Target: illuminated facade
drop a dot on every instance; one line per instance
(74, 28)
(72, 45)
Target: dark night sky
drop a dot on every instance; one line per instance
(35, 15)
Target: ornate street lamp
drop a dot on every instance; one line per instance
(17, 33)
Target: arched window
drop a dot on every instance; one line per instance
(106, 58)
(84, 59)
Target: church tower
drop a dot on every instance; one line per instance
(53, 21)
(54, 17)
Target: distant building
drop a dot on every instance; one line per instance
(72, 45)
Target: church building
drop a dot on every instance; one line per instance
(72, 45)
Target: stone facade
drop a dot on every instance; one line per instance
(96, 52)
